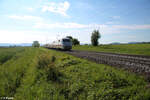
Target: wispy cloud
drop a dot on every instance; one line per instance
(24, 36)
(74, 25)
(112, 22)
(30, 9)
(60, 8)
(60, 25)
(131, 27)
(26, 17)
(116, 17)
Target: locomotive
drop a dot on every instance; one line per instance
(64, 44)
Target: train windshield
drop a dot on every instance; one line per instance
(66, 40)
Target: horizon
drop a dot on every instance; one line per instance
(30, 44)
(46, 21)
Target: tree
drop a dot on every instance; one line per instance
(36, 44)
(74, 40)
(94, 38)
(70, 37)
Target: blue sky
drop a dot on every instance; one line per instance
(23, 21)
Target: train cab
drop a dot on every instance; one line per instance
(66, 44)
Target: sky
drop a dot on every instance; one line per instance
(24, 21)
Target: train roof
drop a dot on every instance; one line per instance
(65, 38)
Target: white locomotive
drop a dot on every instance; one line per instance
(64, 43)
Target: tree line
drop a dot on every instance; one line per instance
(94, 39)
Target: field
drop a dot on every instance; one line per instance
(140, 49)
(42, 74)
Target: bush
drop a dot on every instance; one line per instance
(46, 62)
(74, 40)
(36, 44)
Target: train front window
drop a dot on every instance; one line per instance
(66, 40)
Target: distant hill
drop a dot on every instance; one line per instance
(134, 42)
(115, 43)
(138, 42)
(15, 44)
(5, 44)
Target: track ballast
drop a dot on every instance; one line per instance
(136, 63)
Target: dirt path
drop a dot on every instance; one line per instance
(135, 63)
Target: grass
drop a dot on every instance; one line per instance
(139, 49)
(42, 74)
(8, 53)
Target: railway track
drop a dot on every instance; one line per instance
(134, 63)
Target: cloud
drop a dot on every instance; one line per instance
(109, 22)
(80, 31)
(88, 28)
(131, 27)
(26, 17)
(14, 36)
(116, 17)
(73, 25)
(59, 8)
(30, 9)
(106, 29)
(60, 25)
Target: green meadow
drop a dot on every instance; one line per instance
(28, 73)
(138, 49)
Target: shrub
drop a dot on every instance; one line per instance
(36, 44)
(46, 62)
(43, 61)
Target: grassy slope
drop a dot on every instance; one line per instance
(41, 74)
(12, 71)
(141, 49)
(8, 53)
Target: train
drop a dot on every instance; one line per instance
(64, 44)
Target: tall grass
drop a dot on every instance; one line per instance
(13, 71)
(8, 53)
(37, 82)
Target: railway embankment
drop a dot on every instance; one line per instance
(134, 63)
